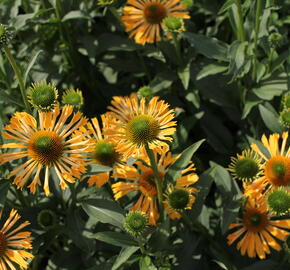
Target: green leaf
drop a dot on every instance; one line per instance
(175, 169)
(145, 263)
(30, 65)
(211, 69)
(10, 98)
(96, 168)
(209, 47)
(271, 119)
(105, 211)
(184, 76)
(76, 227)
(75, 14)
(251, 101)
(272, 86)
(231, 195)
(115, 238)
(226, 6)
(123, 256)
(203, 185)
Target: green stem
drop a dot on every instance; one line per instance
(144, 65)
(141, 245)
(241, 31)
(19, 77)
(156, 178)
(257, 29)
(177, 47)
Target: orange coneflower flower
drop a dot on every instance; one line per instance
(13, 243)
(103, 150)
(180, 196)
(140, 123)
(143, 181)
(47, 144)
(258, 232)
(143, 18)
(276, 168)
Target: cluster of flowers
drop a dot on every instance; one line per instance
(265, 172)
(145, 19)
(62, 140)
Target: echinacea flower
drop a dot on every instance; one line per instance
(140, 123)
(276, 167)
(43, 96)
(73, 97)
(257, 230)
(13, 243)
(143, 18)
(246, 167)
(45, 144)
(181, 197)
(142, 179)
(102, 150)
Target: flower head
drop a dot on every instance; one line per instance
(257, 231)
(45, 144)
(143, 19)
(285, 118)
(135, 223)
(279, 201)
(146, 92)
(139, 123)
(276, 167)
(5, 35)
(246, 167)
(13, 243)
(173, 24)
(285, 101)
(102, 151)
(43, 96)
(73, 97)
(46, 219)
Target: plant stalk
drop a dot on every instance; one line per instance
(157, 178)
(257, 29)
(241, 31)
(19, 77)
(177, 47)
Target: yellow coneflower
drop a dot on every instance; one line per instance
(143, 18)
(103, 150)
(140, 123)
(257, 231)
(13, 243)
(276, 169)
(46, 144)
(142, 179)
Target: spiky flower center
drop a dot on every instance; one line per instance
(285, 117)
(43, 95)
(254, 220)
(135, 222)
(73, 97)
(3, 244)
(46, 219)
(147, 183)
(105, 153)
(279, 201)
(277, 170)
(178, 199)
(45, 147)
(287, 101)
(246, 168)
(142, 129)
(155, 12)
(174, 24)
